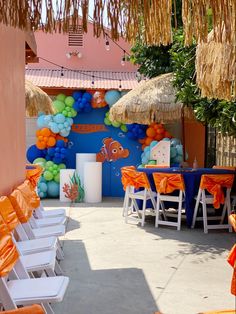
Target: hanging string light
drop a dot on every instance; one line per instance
(62, 74)
(92, 83)
(120, 86)
(123, 59)
(107, 44)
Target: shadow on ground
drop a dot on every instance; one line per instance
(102, 291)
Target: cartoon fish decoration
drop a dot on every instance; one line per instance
(111, 150)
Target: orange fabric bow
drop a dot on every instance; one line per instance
(36, 309)
(232, 261)
(167, 182)
(214, 184)
(134, 178)
(22, 207)
(34, 174)
(8, 213)
(8, 254)
(3, 227)
(29, 194)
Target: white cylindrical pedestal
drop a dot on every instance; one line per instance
(93, 182)
(80, 160)
(65, 175)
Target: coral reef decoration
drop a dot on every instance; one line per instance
(74, 191)
(111, 151)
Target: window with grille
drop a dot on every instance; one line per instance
(76, 36)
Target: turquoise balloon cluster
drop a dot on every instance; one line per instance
(64, 105)
(115, 124)
(176, 152)
(58, 123)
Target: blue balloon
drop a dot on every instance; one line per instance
(179, 149)
(60, 143)
(87, 96)
(77, 94)
(112, 96)
(33, 152)
(51, 151)
(175, 141)
(59, 118)
(131, 136)
(173, 152)
(53, 189)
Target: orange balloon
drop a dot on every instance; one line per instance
(51, 141)
(148, 141)
(167, 134)
(45, 132)
(59, 137)
(150, 132)
(142, 140)
(38, 132)
(160, 131)
(160, 126)
(159, 137)
(40, 145)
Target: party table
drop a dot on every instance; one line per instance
(192, 178)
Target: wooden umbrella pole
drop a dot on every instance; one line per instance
(183, 132)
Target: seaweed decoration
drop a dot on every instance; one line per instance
(74, 191)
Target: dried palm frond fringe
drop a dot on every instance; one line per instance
(150, 101)
(216, 70)
(152, 19)
(36, 101)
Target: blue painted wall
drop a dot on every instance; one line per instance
(92, 143)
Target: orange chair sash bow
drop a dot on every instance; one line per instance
(22, 207)
(32, 309)
(8, 213)
(167, 182)
(29, 194)
(214, 184)
(8, 254)
(33, 174)
(134, 178)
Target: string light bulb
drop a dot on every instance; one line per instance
(92, 83)
(120, 87)
(107, 44)
(123, 59)
(62, 74)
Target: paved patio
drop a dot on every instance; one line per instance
(118, 268)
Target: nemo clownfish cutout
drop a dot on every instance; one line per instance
(111, 150)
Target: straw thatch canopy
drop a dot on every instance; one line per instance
(216, 67)
(36, 101)
(151, 101)
(153, 19)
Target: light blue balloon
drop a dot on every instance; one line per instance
(175, 141)
(43, 187)
(66, 124)
(179, 149)
(59, 118)
(146, 149)
(70, 121)
(153, 143)
(112, 96)
(64, 132)
(178, 159)
(173, 152)
(144, 160)
(54, 127)
(60, 126)
(53, 189)
(41, 122)
(48, 118)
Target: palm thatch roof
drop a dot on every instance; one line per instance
(216, 66)
(151, 101)
(123, 17)
(36, 101)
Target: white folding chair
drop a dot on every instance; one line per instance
(42, 213)
(133, 180)
(167, 183)
(17, 288)
(215, 185)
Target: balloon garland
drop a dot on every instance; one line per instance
(51, 147)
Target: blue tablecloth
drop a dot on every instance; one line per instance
(192, 178)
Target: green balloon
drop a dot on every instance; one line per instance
(61, 97)
(57, 178)
(54, 172)
(49, 164)
(152, 162)
(69, 101)
(62, 166)
(123, 128)
(68, 109)
(74, 113)
(40, 161)
(58, 105)
(50, 168)
(116, 124)
(64, 112)
(107, 114)
(48, 176)
(54, 166)
(69, 115)
(107, 121)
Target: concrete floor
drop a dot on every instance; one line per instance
(118, 268)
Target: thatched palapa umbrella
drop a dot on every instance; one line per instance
(152, 101)
(36, 101)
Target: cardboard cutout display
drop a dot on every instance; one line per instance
(161, 154)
